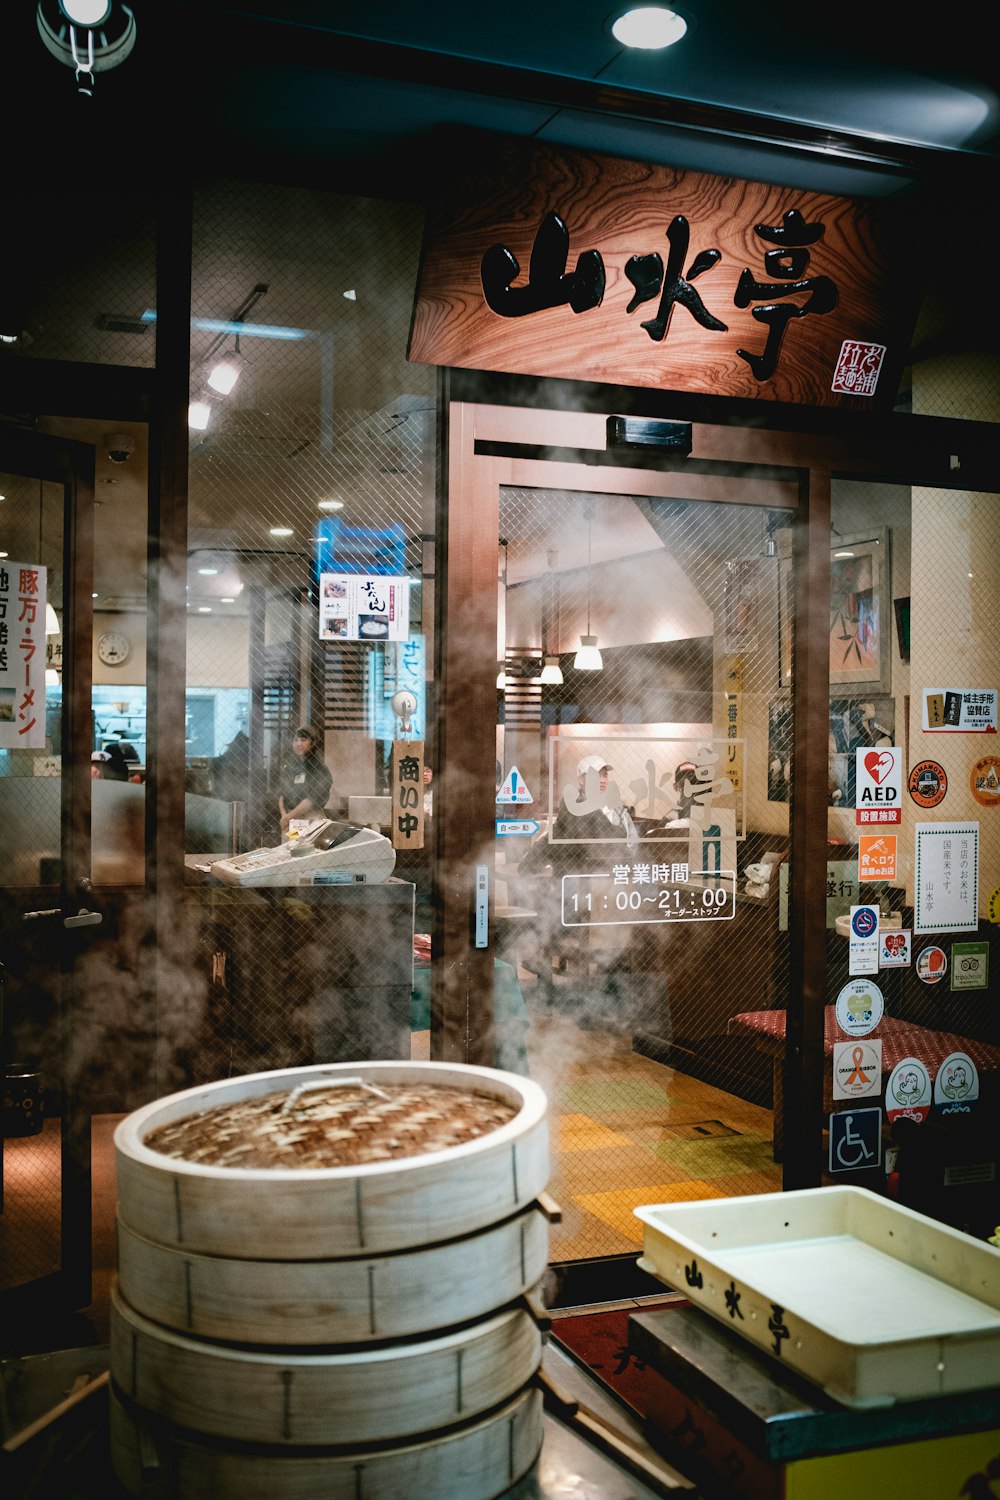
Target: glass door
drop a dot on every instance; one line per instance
(48, 915)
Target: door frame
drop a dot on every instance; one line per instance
(545, 446)
(71, 465)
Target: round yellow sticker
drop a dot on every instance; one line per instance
(984, 780)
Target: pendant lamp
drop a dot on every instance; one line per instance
(588, 658)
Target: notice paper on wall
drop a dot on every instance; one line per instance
(946, 877)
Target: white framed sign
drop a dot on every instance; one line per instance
(946, 878)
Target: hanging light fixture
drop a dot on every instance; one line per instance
(588, 658)
(222, 367)
(551, 671)
(89, 36)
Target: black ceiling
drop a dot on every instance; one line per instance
(863, 101)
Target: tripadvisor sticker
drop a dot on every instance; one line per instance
(927, 783)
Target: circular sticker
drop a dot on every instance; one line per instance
(932, 965)
(859, 1007)
(956, 1087)
(908, 1092)
(864, 921)
(984, 780)
(927, 783)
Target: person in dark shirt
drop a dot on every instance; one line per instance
(305, 782)
(109, 764)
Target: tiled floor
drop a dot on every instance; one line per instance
(627, 1130)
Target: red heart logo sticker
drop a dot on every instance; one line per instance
(879, 764)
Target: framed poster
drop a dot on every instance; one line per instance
(860, 621)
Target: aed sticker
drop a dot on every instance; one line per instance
(857, 1069)
(859, 1007)
(908, 1092)
(878, 785)
(984, 780)
(894, 948)
(927, 783)
(956, 1087)
(932, 965)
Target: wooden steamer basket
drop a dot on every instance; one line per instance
(311, 1214)
(308, 1275)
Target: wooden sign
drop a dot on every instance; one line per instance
(566, 264)
(407, 773)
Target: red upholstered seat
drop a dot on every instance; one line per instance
(765, 1030)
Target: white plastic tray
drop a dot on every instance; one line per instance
(873, 1302)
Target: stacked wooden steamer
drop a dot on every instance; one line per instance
(352, 1330)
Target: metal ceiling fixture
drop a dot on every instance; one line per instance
(89, 36)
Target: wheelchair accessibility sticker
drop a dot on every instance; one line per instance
(855, 1140)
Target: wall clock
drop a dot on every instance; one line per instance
(113, 648)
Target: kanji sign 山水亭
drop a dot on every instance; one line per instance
(568, 264)
(22, 655)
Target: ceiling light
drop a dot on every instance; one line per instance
(199, 415)
(281, 531)
(204, 609)
(99, 36)
(351, 296)
(501, 678)
(649, 27)
(227, 601)
(209, 572)
(551, 671)
(226, 371)
(330, 505)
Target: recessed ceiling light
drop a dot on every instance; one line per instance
(321, 505)
(281, 531)
(208, 572)
(649, 27)
(204, 609)
(227, 601)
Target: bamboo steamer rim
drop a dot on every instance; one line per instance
(130, 1132)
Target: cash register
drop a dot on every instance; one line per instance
(324, 852)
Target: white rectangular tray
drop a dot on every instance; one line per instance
(873, 1302)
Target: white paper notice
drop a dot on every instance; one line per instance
(947, 877)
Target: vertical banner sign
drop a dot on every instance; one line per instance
(733, 678)
(947, 878)
(407, 770)
(22, 655)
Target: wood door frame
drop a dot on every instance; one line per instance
(70, 465)
(482, 456)
(493, 445)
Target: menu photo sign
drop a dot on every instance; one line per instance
(22, 655)
(569, 264)
(363, 607)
